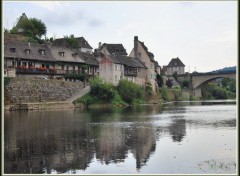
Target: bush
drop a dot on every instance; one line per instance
(6, 80)
(165, 96)
(102, 91)
(185, 84)
(149, 90)
(130, 92)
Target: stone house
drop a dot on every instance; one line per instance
(141, 51)
(175, 65)
(26, 59)
(113, 68)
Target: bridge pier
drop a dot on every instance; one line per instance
(197, 92)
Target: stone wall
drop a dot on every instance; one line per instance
(29, 90)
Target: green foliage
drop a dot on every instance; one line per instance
(185, 83)
(81, 76)
(175, 75)
(130, 92)
(159, 80)
(213, 91)
(164, 93)
(6, 80)
(72, 41)
(102, 91)
(33, 28)
(87, 100)
(149, 90)
(40, 28)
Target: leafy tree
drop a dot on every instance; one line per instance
(40, 28)
(185, 83)
(159, 80)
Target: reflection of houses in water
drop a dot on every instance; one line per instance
(110, 145)
(142, 143)
(177, 129)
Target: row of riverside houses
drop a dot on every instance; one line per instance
(110, 61)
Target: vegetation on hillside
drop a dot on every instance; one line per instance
(225, 90)
(33, 28)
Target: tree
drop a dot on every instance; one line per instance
(32, 27)
(185, 83)
(40, 28)
(159, 80)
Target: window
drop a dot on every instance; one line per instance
(24, 63)
(115, 77)
(42, 52)
(61, 54)
(47, 66)
(30, 64)
(43, 65)
(13, 63)
(62, 67)
(27, 51)
(115, 67)
(18, 63)
(74, 67)
(13, 50)
(67, 67)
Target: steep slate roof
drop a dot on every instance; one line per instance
(69, 55)
(88, 58)
(126, 60)
(116, 49)
(130, 61)
(82, 43)
(21, 51)
(177, 61)
(151, 55)
(60, 42)
(156, 64)
(22, 17)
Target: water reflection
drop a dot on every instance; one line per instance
(47, 141)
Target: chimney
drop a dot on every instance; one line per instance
(136, 46)
(99, 45)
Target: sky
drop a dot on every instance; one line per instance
(203, 34)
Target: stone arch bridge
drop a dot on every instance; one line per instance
(198, 79)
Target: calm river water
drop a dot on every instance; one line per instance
(177, 138)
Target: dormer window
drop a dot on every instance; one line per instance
(175, 63)
(61, 54)
(13, 50)
(27, 51)
(42, 52)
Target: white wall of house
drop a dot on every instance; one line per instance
(86, 50)
(172, 70)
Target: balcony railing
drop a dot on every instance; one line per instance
(130, 73)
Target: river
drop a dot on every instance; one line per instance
(176, 138)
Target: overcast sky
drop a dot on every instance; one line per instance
(202, 34)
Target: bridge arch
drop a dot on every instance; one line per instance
(199, 80)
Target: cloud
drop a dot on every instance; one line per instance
(49, 5)
(95, 22)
